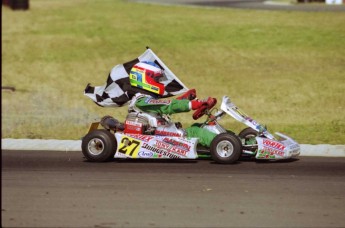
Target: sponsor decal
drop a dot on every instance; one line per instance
(145, 154)
(270, 153)
(133, 127)
(120, 155)
(145, 138)
(157, 102)
(177, 143)
(154, 88)
(167, 133)
(170, 148)
(133, 123)
(273, 144)
(160, 152)
(265, 154)
(129, 146)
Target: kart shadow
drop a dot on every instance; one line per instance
(258, 161)
(170, 161)
(153, 160)
(193, 161)
(119, 160)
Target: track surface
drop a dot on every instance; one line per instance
(61, 189)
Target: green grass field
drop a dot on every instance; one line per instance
(284, 69)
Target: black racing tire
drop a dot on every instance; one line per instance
(99, 146)
(248, 132)
(226, 148)
(237, 137)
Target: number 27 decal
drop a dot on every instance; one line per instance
(129, 146)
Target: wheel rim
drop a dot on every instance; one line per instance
(95, 146)
(225, 149)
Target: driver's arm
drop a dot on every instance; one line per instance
(163, 106)
(172, 106)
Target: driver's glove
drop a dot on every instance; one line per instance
(208, 102)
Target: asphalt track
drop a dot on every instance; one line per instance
(61, 189)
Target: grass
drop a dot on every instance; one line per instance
(285, 69)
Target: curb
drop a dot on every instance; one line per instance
(41, 144)
(322, 150)
(273, 3)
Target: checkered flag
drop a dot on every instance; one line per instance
(118, 90)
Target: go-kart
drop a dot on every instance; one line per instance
(144, 136)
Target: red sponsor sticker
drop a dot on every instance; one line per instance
(273, 144)
(158, 102)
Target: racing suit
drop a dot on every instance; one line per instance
(149, 104)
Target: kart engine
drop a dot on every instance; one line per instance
(137, 124)
(140, 123)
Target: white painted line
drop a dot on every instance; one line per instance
(277, 3)
(41, 144)
(323, 150)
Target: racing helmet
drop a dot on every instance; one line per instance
(147, 76)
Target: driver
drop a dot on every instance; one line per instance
(147, 76)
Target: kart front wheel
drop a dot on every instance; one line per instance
(226, 148)
(99, 146)
(248, 135)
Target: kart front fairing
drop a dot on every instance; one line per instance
(273, 149)
(269, 146)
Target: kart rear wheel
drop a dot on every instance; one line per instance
(99, 146)
(226, 148)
